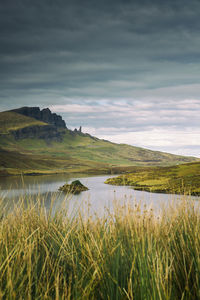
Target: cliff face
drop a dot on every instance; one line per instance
(44, 115)
(48, 133)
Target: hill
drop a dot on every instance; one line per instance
(12, 121)
(180, 179)
(30, 145)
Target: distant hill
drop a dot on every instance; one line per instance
(37, 141)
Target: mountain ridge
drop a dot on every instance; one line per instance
(44, 115)
(34, 146)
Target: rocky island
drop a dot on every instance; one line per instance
(76, 187)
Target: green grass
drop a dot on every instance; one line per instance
(13, 121)
(181, 179)
(128, 254)
(77, 152)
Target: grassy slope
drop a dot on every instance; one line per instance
(77, 152)
(13, 121)
(87, 148)
(181, 179)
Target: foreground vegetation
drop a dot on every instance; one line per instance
(180, 179)
(128, 254)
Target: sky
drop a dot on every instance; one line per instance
(126, 71)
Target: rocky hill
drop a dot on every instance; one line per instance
(21, 126)
(44, 115)
(48, 133)
(38, 141)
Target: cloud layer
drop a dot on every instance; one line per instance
(120, 67)
(166, 126)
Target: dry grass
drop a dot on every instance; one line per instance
(127, 254)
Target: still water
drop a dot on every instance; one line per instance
(99, 198)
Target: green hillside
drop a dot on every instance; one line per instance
(13, 121)
(180, 179)
(75, 152)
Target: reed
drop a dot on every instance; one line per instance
(130, 253)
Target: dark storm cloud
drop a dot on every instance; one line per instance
(85, 47)
(99, 55)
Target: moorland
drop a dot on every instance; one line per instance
(38, 142)
(179, 179)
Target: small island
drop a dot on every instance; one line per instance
(76, 187)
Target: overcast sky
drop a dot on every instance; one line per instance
(127, 71)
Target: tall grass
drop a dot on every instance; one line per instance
(128, 254)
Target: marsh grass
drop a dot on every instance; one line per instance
(180, 179)
(130, 253)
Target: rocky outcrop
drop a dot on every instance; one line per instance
(76, 187)
(54, 131)
(44, 115)
(47, 132)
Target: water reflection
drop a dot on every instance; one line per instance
(97, 200)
